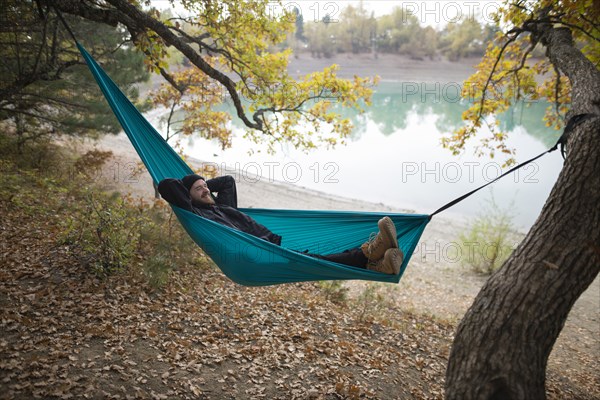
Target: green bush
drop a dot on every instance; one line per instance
(334, 291)
(156, 268)
(374, 302)
(164, 244)
(105, 231)
(490, 239)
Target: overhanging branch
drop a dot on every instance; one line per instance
(566, 57)
(138, 21)
(168, 36)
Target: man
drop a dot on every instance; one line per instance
(194, 193)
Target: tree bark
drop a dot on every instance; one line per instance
(502, 345)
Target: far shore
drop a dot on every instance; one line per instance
(389, 67)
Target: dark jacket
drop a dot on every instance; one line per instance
(224, 212)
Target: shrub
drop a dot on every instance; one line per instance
(156, 268)
(164, 244)
(374, 301)
(105, 231)
(490, 239)
(334, 291)
(92, 161)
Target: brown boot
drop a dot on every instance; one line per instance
(386, 238)
(390, 263)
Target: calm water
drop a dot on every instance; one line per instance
(395, 157)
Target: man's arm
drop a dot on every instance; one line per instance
(225, 188)
(173, 191)
(247, 224)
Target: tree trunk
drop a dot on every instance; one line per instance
(502, 345)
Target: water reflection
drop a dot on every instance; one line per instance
(394, 102)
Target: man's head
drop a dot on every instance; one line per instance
(198, 189)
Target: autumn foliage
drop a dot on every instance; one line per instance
(508, 73)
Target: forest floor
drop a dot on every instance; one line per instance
(66, 333)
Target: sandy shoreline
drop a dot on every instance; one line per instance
(262, 193)
(252, 193)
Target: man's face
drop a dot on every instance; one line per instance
(200, 193)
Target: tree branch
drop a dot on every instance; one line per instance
(181, 89)
(560, 21)
(589, 21)
(106, 16)
(29, 114)
(171, 112)
(524, 58)
(582, 73)
(487, 83)
(138, 21)
(166, 34)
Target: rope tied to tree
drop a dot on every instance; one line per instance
(573, 122)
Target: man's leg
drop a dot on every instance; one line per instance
(353, 257)
(389, 264)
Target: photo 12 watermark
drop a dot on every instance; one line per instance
(455, 92)
(466, 172)
(112, 172)
(425, 12)
(463, 252)
(316, 11)
(437, 12)
(251, 172)
(272, 171)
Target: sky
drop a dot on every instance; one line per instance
(435, 13)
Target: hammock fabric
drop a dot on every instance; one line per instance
(244, 258)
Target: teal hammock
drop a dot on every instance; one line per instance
(244, 258)
(250, 261)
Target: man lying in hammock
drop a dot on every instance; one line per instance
(194, 193)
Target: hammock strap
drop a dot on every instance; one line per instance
(562, 141)
(67, 27)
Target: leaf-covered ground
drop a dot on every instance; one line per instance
(67, 334)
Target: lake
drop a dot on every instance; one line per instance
(395, 157)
